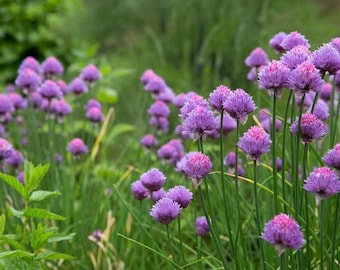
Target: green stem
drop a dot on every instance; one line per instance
(180, 238)
(170, 244)
(304, 170)
(257, 213)
(282, 261)
(237, 199)
(335, 231)
(334, 126)
(273, 131)
(321, 235)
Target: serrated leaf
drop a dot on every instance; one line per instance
(15, 184)
(58, 238)
(39, 195)
(11, 239)
(34, 175)
(51, 255)
(39, 237)
(2, 223)
(42, 213)
(16, 213)
(15, 254)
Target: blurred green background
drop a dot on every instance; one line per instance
(193, 44)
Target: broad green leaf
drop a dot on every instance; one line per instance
(39, 237)
(58, 238)
(34, 175)
(15, 184)
(12, 240)
(51, 255)
(2, 223)
(19, 263)
(108, 96)
(15, 254)
(40, 195)
(16, 213)
(121, 72)
(42, 213)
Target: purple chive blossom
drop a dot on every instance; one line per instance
(325, 92)
(200, 123)
(63, 86)
(18, 101)
(149, 141)
(153, 179)
(95, 115)
(160, 123)
(181, 195)
(267, 124)
(97, 236)
(138, 190)
(6, 149)
(77, 86)
(15, 159)
(167, 95)
(332, 157)
(147, 76)
(295, 56)
(165, 210)
(321, 110)
(218, 96)
(77, 147)
(180, 131)
(305, 77)
(323, 182)
(28, 80)
(191, 103)
(60, 108)
(294, 39)
(283, 232)
(196, 165)
(257, 58)
(90, 74)
(179, 100)
(202, 226)
(239, 104)
(159, 109)
(171, 151)
(51, 67)
(230, 160)
(255, 142)
(326, 59)
(93, 103)
(157, 195)
(336, 43)
(278, 164)
(6, 106)
(49, 90)
(35, 99)
(307, 101)
(228, 125)
(252, 74)
(31, 63)
(276, 40)
(155, 85)
(311, 128)
(274, 77)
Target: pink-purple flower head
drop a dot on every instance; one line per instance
(326, 59)
(155, 85)
(6, 106)
(153, 179)
(160, 123)
(6, 149)
(63, 86)
(255, 142)
(95, 115)
(18, 101)
(321, 110)
(311, 128)
(196, 165)
(138, 190)
(283, 232)
(165, 210)
(31, 63)
(157, 195)
(336, 43)
(15, 159)
(323, 182)
(50, 90)
(267, 124)
(200, 123)
(93, 103)
(304, 78)
(332, 157)
(294, 39)
(218, 96)
(171, 151)
(167, 95)
(228, 125)
(274, 77)
(159, 109)
(28, 80)
(325, 92)
(295, 56)
(77, 147)
(202, 226)
(77, 86)
(51, 67)
(181, 195)
(90, 74)
(147, 76)
(191, 103)
(239, 104)
(276, 40)
(257, 58)
(179, 100)
(61, 108)
(149, 141)
(35, 99)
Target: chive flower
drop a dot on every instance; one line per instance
(165, 210)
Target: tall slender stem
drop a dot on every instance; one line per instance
(257, 213)
(237, 199)
(335, 231)
(170, 244)
(273, 131)
(321, 235)
(180, 238)
(304, 170)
